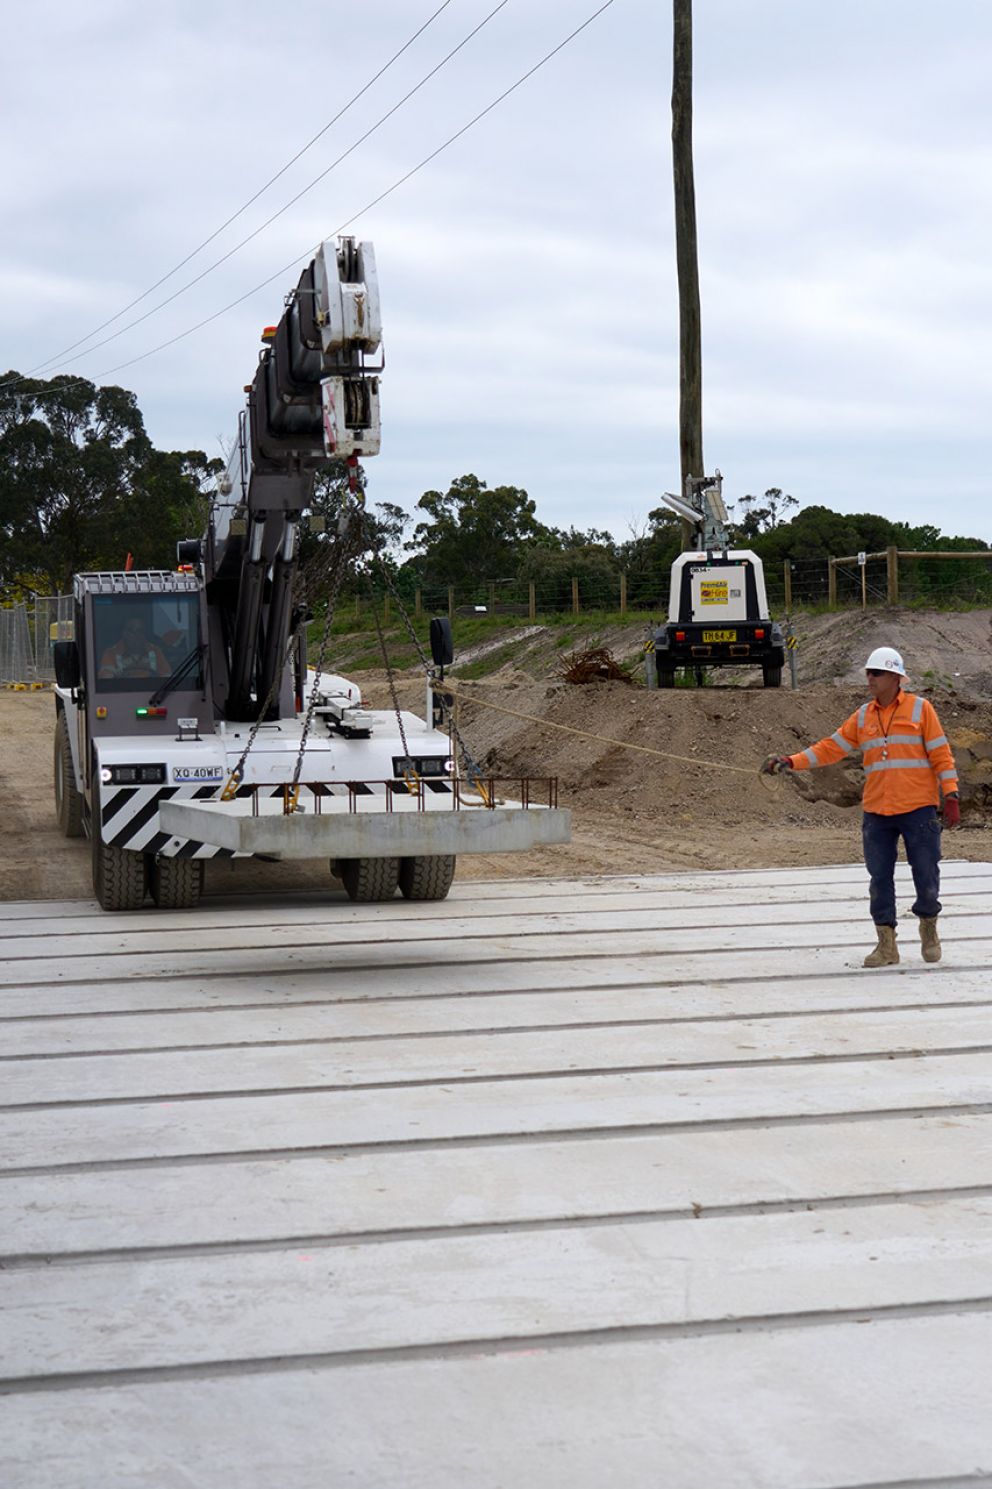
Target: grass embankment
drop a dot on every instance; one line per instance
(354, 644)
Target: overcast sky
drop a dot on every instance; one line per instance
(844, 195)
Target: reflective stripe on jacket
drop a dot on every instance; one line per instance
(907, 758)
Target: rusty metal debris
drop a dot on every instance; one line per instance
(596, 665)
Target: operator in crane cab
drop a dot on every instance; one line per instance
(909, 774)
(135, 654)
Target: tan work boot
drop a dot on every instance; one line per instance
(886, 953)
(929, 939)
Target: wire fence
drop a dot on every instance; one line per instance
(644, 592)
(802, 584)
(28, 632)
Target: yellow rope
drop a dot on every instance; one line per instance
(584, 734)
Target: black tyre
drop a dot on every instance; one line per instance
(666, 677)
(427, 878)
(175, 883)
(68, 801)
(118, 875)
(772, 676)
(368, 879)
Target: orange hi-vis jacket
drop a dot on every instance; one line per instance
(907, 759)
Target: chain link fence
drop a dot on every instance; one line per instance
(28, 631)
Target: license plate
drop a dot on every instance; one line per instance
(183, 774)
(719, 635)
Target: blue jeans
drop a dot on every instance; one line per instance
(920, 831)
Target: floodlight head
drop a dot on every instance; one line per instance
(683, 508)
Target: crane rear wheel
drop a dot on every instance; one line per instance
(428, 877)
(367, 879)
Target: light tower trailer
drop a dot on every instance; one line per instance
(717, 609)
(188, 724)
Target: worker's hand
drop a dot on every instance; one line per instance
(952, 811)
(775, 764)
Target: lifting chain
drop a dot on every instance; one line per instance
(390, 676)
(473, 772)
(351, 541)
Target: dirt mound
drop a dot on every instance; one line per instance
(670, 778)
(945, 652)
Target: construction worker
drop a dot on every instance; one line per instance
(909, 773)
(134, 655)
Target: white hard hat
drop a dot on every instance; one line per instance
(885, 659)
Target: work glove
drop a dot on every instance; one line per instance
(775, 764)
(952, 811)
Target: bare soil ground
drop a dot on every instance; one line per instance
(688, 797)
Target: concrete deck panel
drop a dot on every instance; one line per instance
(639, 1181)
(367, 831)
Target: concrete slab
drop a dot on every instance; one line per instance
(363, 830)
(332, 1199)
(849, 1404)
(302, 1010)
(339, 1064)
(159, 1314)
(647, 1168)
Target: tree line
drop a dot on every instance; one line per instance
(82, 486)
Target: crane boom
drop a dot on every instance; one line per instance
(313, 396)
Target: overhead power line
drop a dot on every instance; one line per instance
(208, 320)
(57, 356)
(169, 299)
(401, 181)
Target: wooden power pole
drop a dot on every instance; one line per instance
(687, 258)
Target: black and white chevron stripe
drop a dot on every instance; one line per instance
(129, 814)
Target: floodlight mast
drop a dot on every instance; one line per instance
(703, 505)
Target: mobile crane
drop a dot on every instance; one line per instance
(188, 724)
(717, 606)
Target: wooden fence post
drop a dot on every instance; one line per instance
(832, 582)
(451, 604)
(385, 608)
(892, 574)
(788, 587)
(575, 595)
(492, 598)
(532, 601)
(623, 594)
(418, 608)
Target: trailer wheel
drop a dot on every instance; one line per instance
(175, 883)
(772, 676)
(368, 879)
(427, 878)
(68, 801)
(118, 874)
(666, 677)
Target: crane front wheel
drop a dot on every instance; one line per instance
(119, 879)
(68, 801)
(175, 883)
